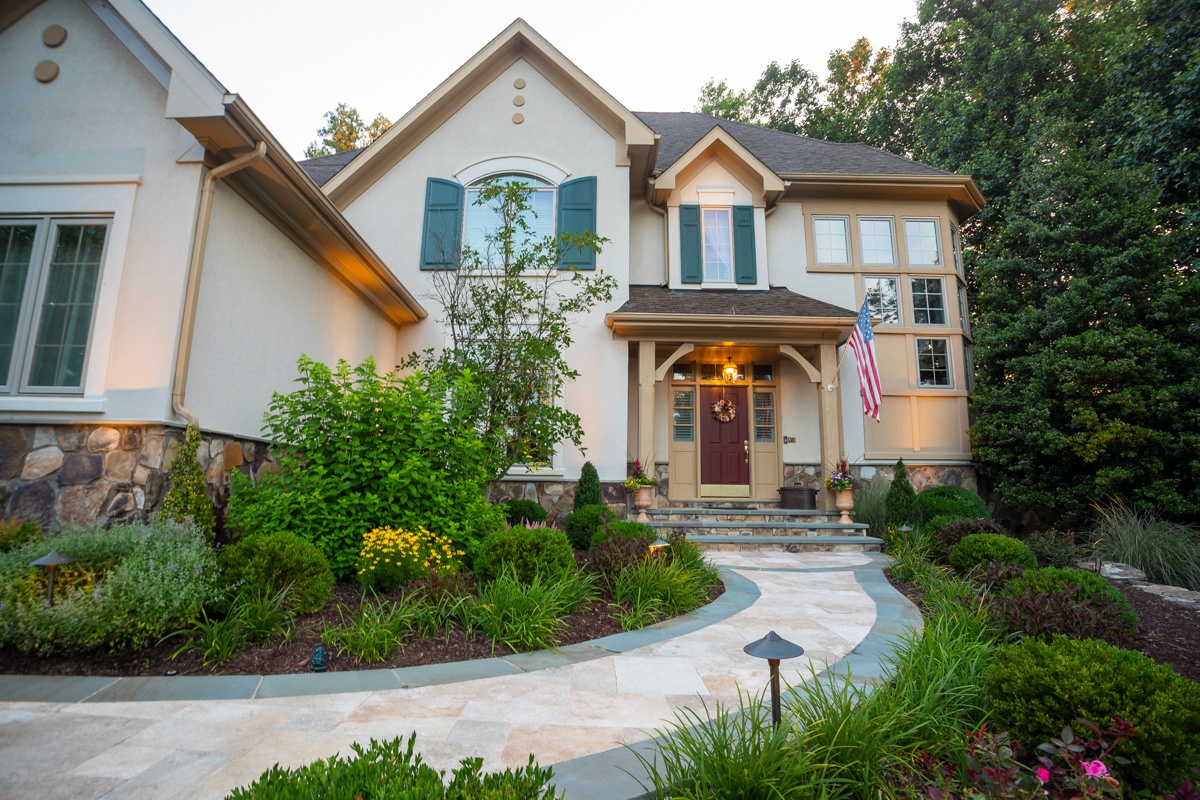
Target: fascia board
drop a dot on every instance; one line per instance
(729, 327)
(956, 187)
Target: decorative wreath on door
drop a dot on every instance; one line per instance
(724, 410)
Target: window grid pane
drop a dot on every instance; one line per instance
(685, 372)
(764, 372)
(883, 298)
(928, 305)
(830, 241)
(956, 245)
(877, 241)
(764, 417)
(921, 238)
(67, 304)
(16, 252)
(684, 416)
(933, 362)
(481, 221)
(718, 245)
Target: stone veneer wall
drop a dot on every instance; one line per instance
(921, 476)
(556, 496)
(60, 474)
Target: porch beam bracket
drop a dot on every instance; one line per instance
(679, 353)
(813, 374)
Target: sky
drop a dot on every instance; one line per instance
(293, 60)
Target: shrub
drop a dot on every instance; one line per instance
(607, 559)
(587, 491)
(391, 769)
(187, 498)
(583, 524)
(527, 551)
(268, 563)
(950, 535)
(1037, 688)
(1094, 590)
(951, 501)
(932, 526)
(527, 615)
(519, 512)
(1053, 548)
(389, 558)
(979, 548)
(870, 505)
(1167, 552)
(670, 589)
(623, 529)
(14, 534)
(130, 587)
(359, 450)
(901, 500)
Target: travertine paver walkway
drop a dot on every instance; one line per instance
(571, 715)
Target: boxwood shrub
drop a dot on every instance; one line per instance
(950, 534)
(583, 524)
(980, 548)
(1036, 688)
(527, 551)
(519, 512)
(266, 563)
(623, 529)
(951, 501)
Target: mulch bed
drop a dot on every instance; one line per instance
(1167, 632)
(282, 658)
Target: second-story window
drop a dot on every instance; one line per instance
(718, 245)
(484, 220)
(929, 305)
(883, 297)
(921, 236)
(877, 239)
(831, 245)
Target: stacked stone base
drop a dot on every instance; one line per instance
(79, 474)
(921, 476)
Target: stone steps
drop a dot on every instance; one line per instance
(685, 514)
(790, 544)
(758, 528)
(724, 525)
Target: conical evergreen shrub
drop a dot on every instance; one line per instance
(187, 499)
(901, 499)
(587, 493)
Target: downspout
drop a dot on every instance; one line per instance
(183, 354)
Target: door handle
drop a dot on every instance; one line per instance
(746, 447)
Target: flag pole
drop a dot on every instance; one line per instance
(837, 373)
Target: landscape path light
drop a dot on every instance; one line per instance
(51, 562)
(774, 648)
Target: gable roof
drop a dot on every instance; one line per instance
(322, 168)
(783, 153)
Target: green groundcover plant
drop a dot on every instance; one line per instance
(128, 587)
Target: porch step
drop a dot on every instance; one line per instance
(751, 527)
(740, 514)
(790, 544)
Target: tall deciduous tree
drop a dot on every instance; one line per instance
(345, 130)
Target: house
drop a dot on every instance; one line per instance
(166, 261)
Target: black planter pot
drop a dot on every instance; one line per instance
(800, 497)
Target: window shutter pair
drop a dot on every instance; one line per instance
(441, 239)
(745, 268)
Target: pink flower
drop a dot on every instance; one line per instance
(1095, 769)
(1043, 774)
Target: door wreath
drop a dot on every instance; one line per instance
(724, 410)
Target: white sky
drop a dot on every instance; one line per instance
(293, 60)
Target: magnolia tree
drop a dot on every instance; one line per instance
(508, 309)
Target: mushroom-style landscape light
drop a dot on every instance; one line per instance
(51, 561)
(773, 648)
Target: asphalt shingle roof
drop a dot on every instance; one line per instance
(783, 153)
(322, 169)
(776, 302)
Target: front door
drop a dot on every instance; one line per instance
(724, 440)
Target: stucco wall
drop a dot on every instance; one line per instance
(390, 215)
(94, 140)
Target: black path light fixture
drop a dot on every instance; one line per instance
(774, 648)
(51, 561)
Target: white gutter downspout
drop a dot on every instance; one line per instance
(183, 354)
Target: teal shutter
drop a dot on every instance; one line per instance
(691, 266)
(441, 238)
(745, 268)
(577, 214)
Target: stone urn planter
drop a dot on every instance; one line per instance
(643, 498)
(843, 500)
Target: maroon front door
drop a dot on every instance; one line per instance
(723, 456)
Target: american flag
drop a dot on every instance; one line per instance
(862, 341)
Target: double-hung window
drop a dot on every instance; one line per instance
(921, 237)
(883, 297)
(831, 244)
(484, 220)
(877, 240)
(49, 276)
(929, 302)
(933, 363)
(717, 231)
(716, 243)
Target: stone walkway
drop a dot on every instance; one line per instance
(573, 709)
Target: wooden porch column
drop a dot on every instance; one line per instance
(830, 410)
(645, 437)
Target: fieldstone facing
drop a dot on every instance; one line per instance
(14, 442)
(33, 501)
(80, 468)
(81, 504)
(119, 465)
(40, 463)
(101, 440)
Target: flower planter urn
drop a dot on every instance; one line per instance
(843, 500)
(643, 499)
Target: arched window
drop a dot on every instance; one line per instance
(482, 220)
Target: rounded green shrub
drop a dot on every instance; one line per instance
(901, 500)
(517, 512)
(1037, 688)
(623, 529)
(583, 524)
(951, 501)
(1053, 548)
(980, 548)
(949, 535)
(527, 551)
(932, 526)
(587, 491)
(270, 562)
(1094, 589)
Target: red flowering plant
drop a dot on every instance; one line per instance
(638, 478)
(841, 477)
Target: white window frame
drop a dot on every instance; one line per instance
(549, 188)
(862, 246)
(108, 196)
(912, 279)
(949, 363)
(706, 278)
(895, 279)
(963, 320)
(956, 248)
(937, 242)
(845, 240)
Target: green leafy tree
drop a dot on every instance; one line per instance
(187, 498)
(508, 312)
(852, 96)
(345, 130)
